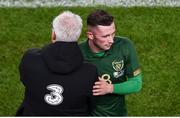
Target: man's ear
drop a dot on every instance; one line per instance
(89, 35)
(53, 37)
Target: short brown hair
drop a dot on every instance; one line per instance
(99, 17)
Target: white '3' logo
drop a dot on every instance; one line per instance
(55, 97)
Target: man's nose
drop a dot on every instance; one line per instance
(111, 39)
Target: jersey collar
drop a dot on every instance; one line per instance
(91, 54)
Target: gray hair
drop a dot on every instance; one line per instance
(67, 26)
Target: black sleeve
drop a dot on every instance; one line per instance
(22, 68)
(91, 100)
(20, 110)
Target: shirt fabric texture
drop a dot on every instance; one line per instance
(115, 66)
(56, 71)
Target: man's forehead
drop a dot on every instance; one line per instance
(105, 29)
(101, 27)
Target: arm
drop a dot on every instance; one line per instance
(25, 61)
(132, 72)
(132, 85)
(22, 68)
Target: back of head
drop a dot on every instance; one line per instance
(99, 17)
(67, 27)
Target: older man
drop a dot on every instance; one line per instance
(56, 80)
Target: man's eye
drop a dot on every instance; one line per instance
(105, 36)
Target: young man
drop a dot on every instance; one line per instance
(116, 60)
(57, 82)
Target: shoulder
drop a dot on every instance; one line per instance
(29, 57)
(84, 48)
(90, 66)
(82, 44)
(91, 71)
(33, 51)
(122, 40)
(30, 53)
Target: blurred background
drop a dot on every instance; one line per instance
(153, 26)
(50, 3)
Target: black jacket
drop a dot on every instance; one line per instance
(57, 82)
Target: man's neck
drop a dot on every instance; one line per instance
(93, 47)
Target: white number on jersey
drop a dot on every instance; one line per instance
(55, 97)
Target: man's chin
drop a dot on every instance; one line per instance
(107, 48)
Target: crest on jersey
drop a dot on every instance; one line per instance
(118, 67)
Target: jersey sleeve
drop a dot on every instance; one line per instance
(132, 67)
(132, 85)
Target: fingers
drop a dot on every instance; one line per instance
(100, 87)
(96, 87)
(97, 83)
(101, 79)
(97, 92)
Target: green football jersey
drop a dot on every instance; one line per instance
(117, 63)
